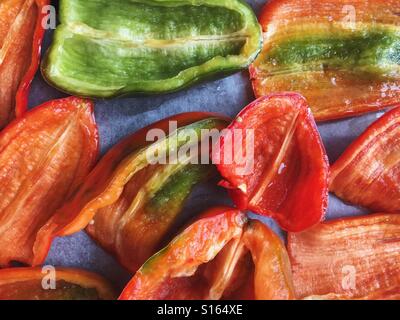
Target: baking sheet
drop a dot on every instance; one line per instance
(120, 117)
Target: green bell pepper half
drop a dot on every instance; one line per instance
(105, 49)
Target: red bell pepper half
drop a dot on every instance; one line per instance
(221, 256)
(21, 34)
(44, 156)
(289, 179)
(352, 258)
(368, 173)
(53, 284)
(128, 204)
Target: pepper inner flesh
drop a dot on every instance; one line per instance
(372, 53)
(272, 172)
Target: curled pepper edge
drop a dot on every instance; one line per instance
(22, 95)
(80, 277)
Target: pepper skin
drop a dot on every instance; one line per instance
(342, 55)
(129, 204)
(44, 155)
(221, 256)
(21, 35)
(105, 50)
(36, 284)
(368, 173)
(352, 258)
(289, 179)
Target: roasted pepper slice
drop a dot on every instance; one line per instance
(368, 173)
(221, 256)
(148, 46)
(352, 258)
(53, 284)
(21, 34)
(289, 177)
(44, 157)
(342, 55)
(131, 203)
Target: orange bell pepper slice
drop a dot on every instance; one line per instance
(44, 157)
(352, 258)
(341, 55)
(21, 34)
(221, 256)
(289, 178)
(69, 284)
(368, 172)
(127, 204)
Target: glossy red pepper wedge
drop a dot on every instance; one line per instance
(221, 256)
(128, 204)
(289, 176)
(351, 258)
(368, 172)
(44, 156)
(21, 34)
(53, 284)
(341, 55)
